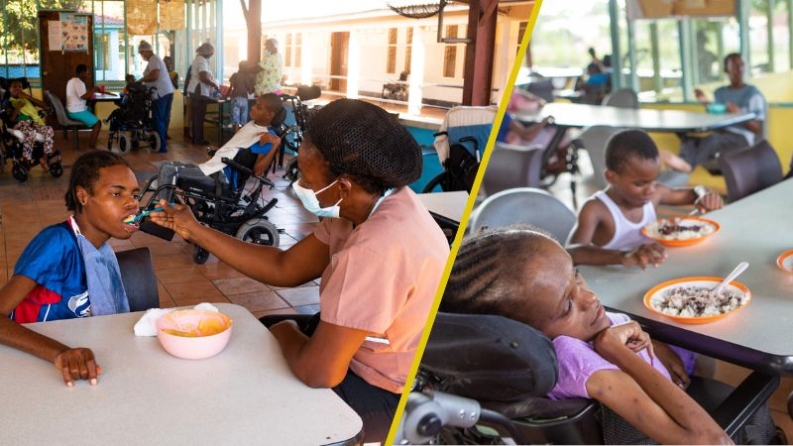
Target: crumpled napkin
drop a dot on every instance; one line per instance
(147, 325)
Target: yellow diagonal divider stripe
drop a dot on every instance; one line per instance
(464, 219)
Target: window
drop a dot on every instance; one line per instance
(392, 51)
(450, 53)
(288, 51)
(298, 49)
(521, 32)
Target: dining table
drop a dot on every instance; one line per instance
(757, 336)
(680, 122)
(244, 395)
(447, 210)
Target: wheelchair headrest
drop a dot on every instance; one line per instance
(490, 358)
(306, 93)
(279, 118)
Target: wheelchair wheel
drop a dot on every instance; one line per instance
(200, 255)
(434, 185)
(56, 170)
(124, 143)
(259, 231)
(19, 172)
(154, 142)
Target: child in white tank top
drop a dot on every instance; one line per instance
(609, 225)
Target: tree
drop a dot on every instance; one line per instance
(253, 18)
(19, 25)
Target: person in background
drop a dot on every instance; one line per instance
(69, 270)
(271, 67)
(77, 96)
(609, 225)
(22, 113)
(378, 281)
(201, 88)
(241, 85)
(171, 72)
(737, 97)
(156, 77)
(188, 111)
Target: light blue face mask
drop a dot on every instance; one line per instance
(310, 201)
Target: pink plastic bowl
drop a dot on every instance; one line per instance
(194, 334)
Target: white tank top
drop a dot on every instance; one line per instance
(627, 234)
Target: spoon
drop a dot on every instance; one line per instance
(730, 277)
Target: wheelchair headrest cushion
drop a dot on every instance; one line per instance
(489, 358)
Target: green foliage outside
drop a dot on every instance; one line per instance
(19, 26)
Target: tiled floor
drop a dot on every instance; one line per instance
(28, 207)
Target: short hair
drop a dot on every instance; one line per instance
(274, 103)
(489, 273)
(82, 68)
(85, 173)
(367, 143)
(629, 144)
(730, 56)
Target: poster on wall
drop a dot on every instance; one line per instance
(73, 33)
(172, 15)
(141, 17)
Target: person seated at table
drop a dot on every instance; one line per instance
(378, 278)
(77, 96)
(537, 135)
(22, 113)
(69, 270)
(738, 97)
(257, 136)
(523, 274)
(608, 231)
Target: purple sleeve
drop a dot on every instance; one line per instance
(577, 362)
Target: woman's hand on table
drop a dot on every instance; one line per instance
(674, 365)
(177, 218)
(651, 253)
(76, 364)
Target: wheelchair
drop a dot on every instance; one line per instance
(292, 134)
(131, 122)
(215, 203)
(11, 148)
(483, 380)
(460, 143)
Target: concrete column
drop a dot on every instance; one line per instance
(354, 64)
(416, 78)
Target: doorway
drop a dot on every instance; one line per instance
(339, 53)
(59, 59)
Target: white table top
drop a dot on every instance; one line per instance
(449, 205)
(105, 97)
(756, 229)
(244, 395)
(651, 120)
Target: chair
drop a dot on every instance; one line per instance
(525, 205)
(512, 166)
(64, 121)
(594, 139)
(542, 88)
(750, 170)
(624, 98)
(137, 275)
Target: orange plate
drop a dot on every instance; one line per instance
(785, 261)
(699, 280)
(687, 242)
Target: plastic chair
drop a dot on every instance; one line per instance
(65, 122)
(624, 98)
(140, 282)
(525, 205)
(750, 170)
(593, 140)
(512, 166)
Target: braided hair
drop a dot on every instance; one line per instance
(85, 173)
(489, 273)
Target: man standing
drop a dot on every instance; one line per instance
(737, 97)
(156, 76)
(77, 96)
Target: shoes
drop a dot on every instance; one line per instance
(162, 151)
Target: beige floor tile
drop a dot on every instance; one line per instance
(240, 285)
(308, 295)
(260, 301)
